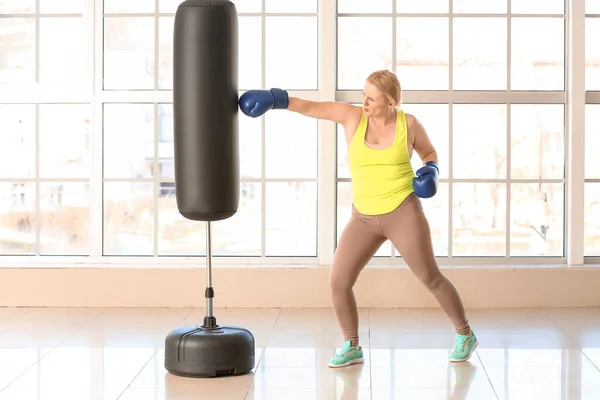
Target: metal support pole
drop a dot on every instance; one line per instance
(209, 320)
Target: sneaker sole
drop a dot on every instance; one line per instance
(454, 360)
(346, 364)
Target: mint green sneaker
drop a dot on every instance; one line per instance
(349, 355)
(465, 346)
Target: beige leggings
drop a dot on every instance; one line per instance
(408, 230)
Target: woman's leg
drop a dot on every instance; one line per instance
(408, 229)
(360, 240)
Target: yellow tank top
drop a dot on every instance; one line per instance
(381, 179)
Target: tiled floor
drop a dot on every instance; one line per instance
(524, 354)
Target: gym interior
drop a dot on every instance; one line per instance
(107, 291)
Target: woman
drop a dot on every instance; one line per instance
(381, 139)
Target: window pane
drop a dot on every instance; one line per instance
(538, 6)
(129, 53)
(62, 6)
(422, 53)
(537, 141)
(62, 50)
(480, 54)
(344, 212)
(591, 6)
(291, 145)
(435, 120)
(250, 53)
(420, 6)
(480, 7)
(17, 153)
(128, 140)
(240, 235)
(165, 52)
(64, 218)
(479, 141)
(18, 222)
(592, 219)
(537, 59)
(166, 165)
(177, 236)
(291, 60)
(291, 6)
(592, 53)
(169, 6)
(291, 219)
(128, 218)
(250, 133)
(248, 6)
(436, 211)
(129, 6)
(479, 219)
(343, 166)
(536, 214)
(355, 66)
(17, 50)
(65, 139)
(17, 7)
(364, 7)
(592, 140)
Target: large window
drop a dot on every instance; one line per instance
(86, 112)
(488, 84)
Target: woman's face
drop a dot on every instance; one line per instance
(374, 103)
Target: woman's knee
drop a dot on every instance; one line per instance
(338, 281)
(433, 280)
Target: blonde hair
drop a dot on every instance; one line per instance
(388, 83)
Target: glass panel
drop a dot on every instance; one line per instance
(479, 136)
(438, 217)
(17, 153)
(537, 141)
(17, 218)
(592, 141)
(250, 132)
(479, 7)
(250, 53)
(538, 6)
(169, 6)
(364, 7)
(240, 235)
(355, 66)
(435, 120)
(128, 218)
(64, 218)
(422, 50)
(291, 145)
(480, 49)
(129, 53)
(166, 160)
(177, 236)
(17, 50)
(343, 166)
(479, 219)
(591, 6)
(129, 6)
(17, 7)
(165, 52)
(129, 140)
(65, 140)
(248, 6)
(592, 219)
(420, 6)
(538, 55)
(592, 53)
(62, 50)
(536, 214)
(291, 60)
(62, 6)
(291, 219)
(291, 6)
(344, 212)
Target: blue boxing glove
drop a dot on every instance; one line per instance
(255, 103)
(426, 182)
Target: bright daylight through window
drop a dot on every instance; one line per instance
(87, 119)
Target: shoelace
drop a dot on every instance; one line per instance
(344, 352)
(460, 342)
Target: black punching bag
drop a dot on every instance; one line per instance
(205, 109)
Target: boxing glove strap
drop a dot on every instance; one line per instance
(433, 164)
(281, 99)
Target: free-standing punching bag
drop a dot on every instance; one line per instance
(205, 110)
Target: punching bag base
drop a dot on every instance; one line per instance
(209, 352)
(213, 216)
